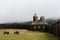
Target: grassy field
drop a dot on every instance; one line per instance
(25, 35)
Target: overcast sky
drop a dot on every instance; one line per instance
(23, 10)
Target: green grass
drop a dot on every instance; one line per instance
(25, 35)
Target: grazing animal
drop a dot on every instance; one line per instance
(16, 32)
(6, 33)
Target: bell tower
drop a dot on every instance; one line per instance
(35, 18)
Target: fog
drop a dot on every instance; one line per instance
(23, 10)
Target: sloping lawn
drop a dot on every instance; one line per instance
(25, 35)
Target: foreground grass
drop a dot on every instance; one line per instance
(26, 35)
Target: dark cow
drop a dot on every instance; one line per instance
(6, 33)
(16, 32)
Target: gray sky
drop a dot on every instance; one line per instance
(23, 10)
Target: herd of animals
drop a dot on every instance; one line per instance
(8, 32)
